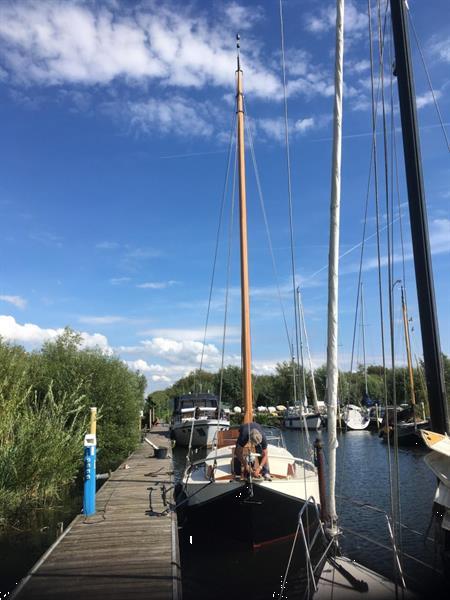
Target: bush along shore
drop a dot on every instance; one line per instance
(278, 388)
(44, 406)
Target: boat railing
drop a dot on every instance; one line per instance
(393, 547)
(309, 543)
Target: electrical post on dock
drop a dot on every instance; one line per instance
(90, 457)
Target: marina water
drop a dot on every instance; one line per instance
(362, 483)
(233, 572)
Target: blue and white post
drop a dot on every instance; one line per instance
(90, 457)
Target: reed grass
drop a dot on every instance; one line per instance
(40, 445)
(44, 412)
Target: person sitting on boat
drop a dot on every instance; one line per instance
(253, 433)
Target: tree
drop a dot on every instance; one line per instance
(160, 402)
(195, 381)
(231, 385)
(263, 390)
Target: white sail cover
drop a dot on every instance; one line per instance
(333, 268)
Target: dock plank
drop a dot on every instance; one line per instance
(129, 549)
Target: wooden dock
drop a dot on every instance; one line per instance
(129, 549)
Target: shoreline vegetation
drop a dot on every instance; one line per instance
(45, 398)
(278, 389)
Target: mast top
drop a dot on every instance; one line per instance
(238, 47)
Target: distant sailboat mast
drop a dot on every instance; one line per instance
(245, 300)
(333, 268)
(311, 370)
(366, 389)
(408, 356)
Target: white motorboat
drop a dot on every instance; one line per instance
(294, 418)
(196, 420)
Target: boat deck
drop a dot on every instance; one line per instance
(333, 585)
(128, 549)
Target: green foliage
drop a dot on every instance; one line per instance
(231, 385)
(44, 402)
(267, 419)
(196, 381)
(271, 390)
(160, 402)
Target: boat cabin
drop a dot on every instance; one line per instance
(196, 406)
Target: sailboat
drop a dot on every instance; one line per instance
(341, 577)
(408, 422)
(357, 417)
(212, 497)
(303, 415)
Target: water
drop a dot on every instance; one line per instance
(233, 572)
(362, 477)
(21, 547)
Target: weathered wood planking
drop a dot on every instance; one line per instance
(129, 549)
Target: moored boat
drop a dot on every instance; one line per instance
(294, 418)
(196, 420)
(224, 494)
(355, 417)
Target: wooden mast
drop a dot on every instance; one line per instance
(245, 300)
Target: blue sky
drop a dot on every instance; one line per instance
(115, 121)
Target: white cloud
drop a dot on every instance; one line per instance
(315, 83)
(427, 98)
(242, 17)
(107, 245)
(133, 257)
(119, 280)
(214, 332)
(274, 128)
(355, 21)
(158, 53)
(53, 43)
(359, 66)
(182, 116)
(439, 230)
(157, 285)
(440, 47)
(297, 61)
(440, 236)
(142, 253)
(16, 300)
(105, 320)
(160, 375)
(184, 351)
(34, 336)
(303, 125)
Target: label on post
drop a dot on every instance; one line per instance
(89, 488)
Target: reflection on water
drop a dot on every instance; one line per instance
(21, 548)
(362, 478)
